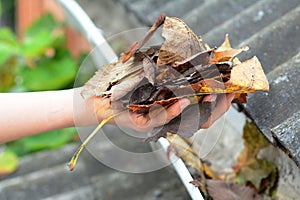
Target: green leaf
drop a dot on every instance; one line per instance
(43, 34)
(9, 50)
(50, 74)
(45, 23)
(8, 162)
(36, 46)
(8, 45)
(47, 140)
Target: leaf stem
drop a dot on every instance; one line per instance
(72, 163)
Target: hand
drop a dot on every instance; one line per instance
(145, 123)
(222, 106)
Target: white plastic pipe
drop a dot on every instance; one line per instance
(182, 171)
(80, 20)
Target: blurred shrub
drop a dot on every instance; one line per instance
(40, 61)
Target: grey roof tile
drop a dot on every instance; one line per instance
(176, 8)
(44, 183)
(269, 110)
(144, 8)
(288, 135)
(117, 185)
(212, 13)
(250, 21)
(277, 42)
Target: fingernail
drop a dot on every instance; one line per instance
(184, 103)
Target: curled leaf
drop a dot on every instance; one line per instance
(180, 42)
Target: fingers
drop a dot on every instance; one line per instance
(210, 98)
(222, 106)
(166, 115)
(159, 116)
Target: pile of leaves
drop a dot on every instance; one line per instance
(251, 178)
(181, 67)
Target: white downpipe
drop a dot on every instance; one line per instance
(182, 171)
(79, 19)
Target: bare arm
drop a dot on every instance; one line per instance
(25, 114)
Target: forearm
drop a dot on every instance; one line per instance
(25, 114)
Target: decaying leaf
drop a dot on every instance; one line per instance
(247, 77)
(137, 45)
(225, 52)
(180, 42)
(250, 170)
(183, 150)
(149, 69)
(109, 75)
(208, 182)
(182, 62)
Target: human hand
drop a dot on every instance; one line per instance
(146, 122)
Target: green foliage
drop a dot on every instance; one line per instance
(43, 34)
(59, 72)
(9, 45)
(47, 140)
(40, 61)
(9, 49)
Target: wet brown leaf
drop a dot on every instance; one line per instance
(183, 150)
(180, 42)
